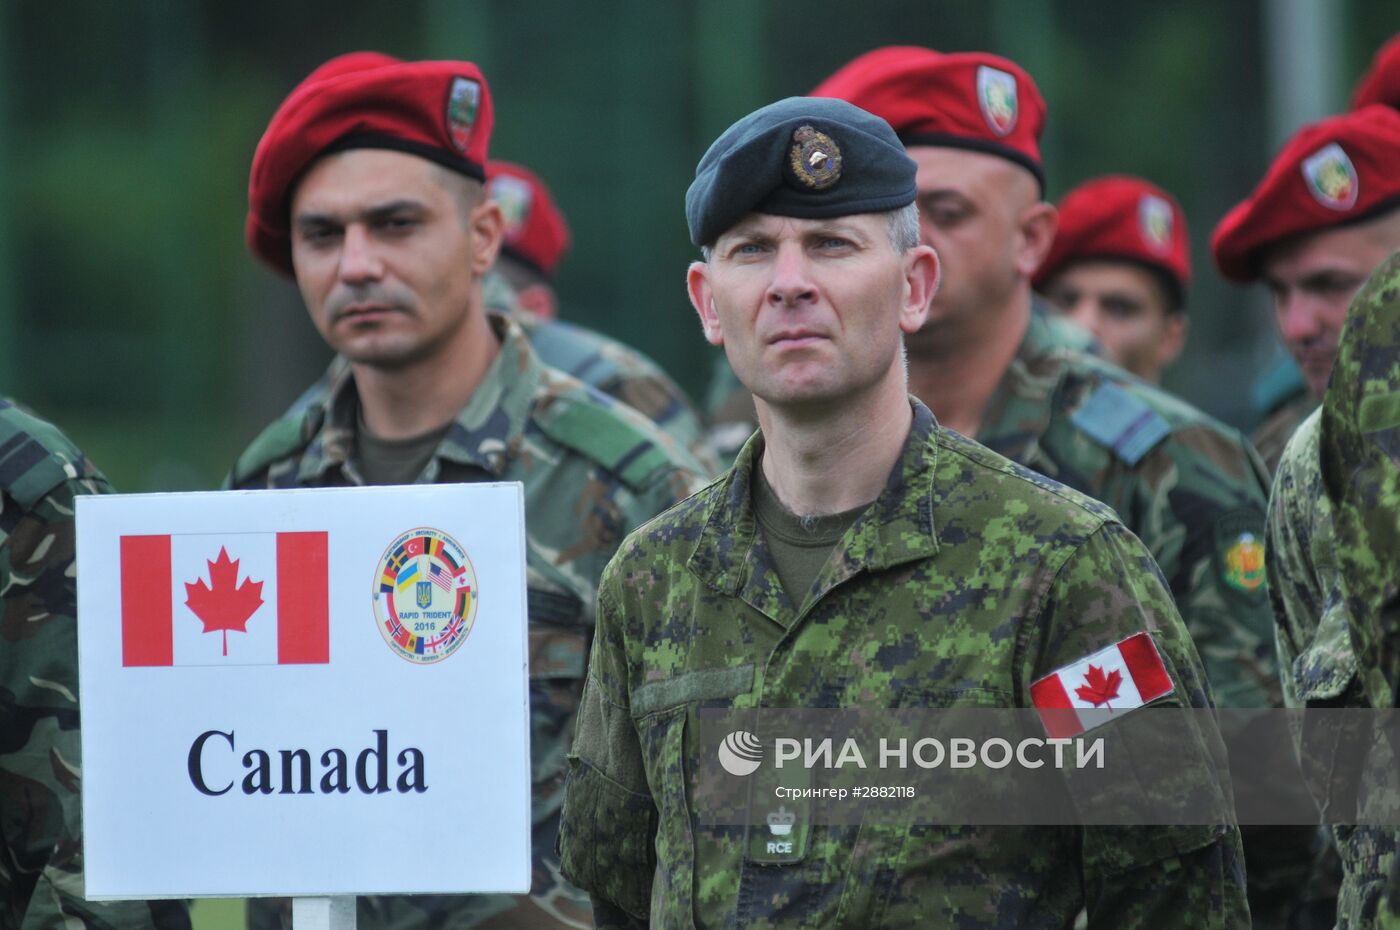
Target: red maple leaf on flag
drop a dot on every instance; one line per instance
(224, 604)
(1099, 688)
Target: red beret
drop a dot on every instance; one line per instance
(438, 110)
(969, 100)
(1121, 218)
(536, 233)
(1333, 172)
(1381, 82)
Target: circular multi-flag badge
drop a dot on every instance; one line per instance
(425, 595)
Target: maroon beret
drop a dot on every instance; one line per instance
(536, 233)
(1333, 172)
(970, 100)
(1381, 82)
(438, 110)
(1121, 217)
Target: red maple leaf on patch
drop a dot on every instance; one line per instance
(224, 604)
(1099, 688)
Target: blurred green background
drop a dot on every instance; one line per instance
(131, 314)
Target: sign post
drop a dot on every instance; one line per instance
(291, 692)
(323, 913)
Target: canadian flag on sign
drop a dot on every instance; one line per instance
(1120, 678)
(225, 599)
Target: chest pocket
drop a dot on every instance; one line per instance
(661, 712)
(1323, 672)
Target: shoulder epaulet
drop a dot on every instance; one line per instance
(280, 439)
(1121, 422)
(594, 426)
(35, 457)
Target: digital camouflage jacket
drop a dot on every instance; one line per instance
(966, 580)
(1347, 464)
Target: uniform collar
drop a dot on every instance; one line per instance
(898, 527)
(486, 433)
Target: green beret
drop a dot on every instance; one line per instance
(805, 157)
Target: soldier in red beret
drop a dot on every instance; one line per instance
(536, 238)
(521, 286)
(368, 188)
(1120, 267)
(1326, 214)
(992, 364)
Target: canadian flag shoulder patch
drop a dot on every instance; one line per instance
(1093, 690)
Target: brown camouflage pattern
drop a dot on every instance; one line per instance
(41, 860)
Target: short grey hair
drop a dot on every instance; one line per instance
(903, 225)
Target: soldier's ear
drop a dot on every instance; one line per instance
(922, 273)
(488, 227)
(697, 284)
(1038, 223)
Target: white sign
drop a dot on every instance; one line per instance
(311, 692)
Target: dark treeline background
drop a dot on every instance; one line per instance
(131, 313)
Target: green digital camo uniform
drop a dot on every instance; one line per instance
(593, 470)
(1188, 486)
(1360, 458)
(965, 581)
(1316, 660)
(612, 367)
(41, 864)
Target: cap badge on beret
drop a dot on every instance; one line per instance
(1332, 177)
(462, 102)
(513, 196)
(1155, 223)
(815, 159)
(996, 92)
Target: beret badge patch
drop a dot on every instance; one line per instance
(1332, 177)
(815, 159)
(462, 102)
(996, 94)
(1155, 223)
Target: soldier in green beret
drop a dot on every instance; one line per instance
(858, 555)
(41, 861)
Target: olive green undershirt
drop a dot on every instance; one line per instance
(394, 461)
(799, 547)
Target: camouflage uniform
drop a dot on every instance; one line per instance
(612, 367)
(967, 579)
(1335, 520)
(41, 864)
(593, 469)
(1316, 660)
